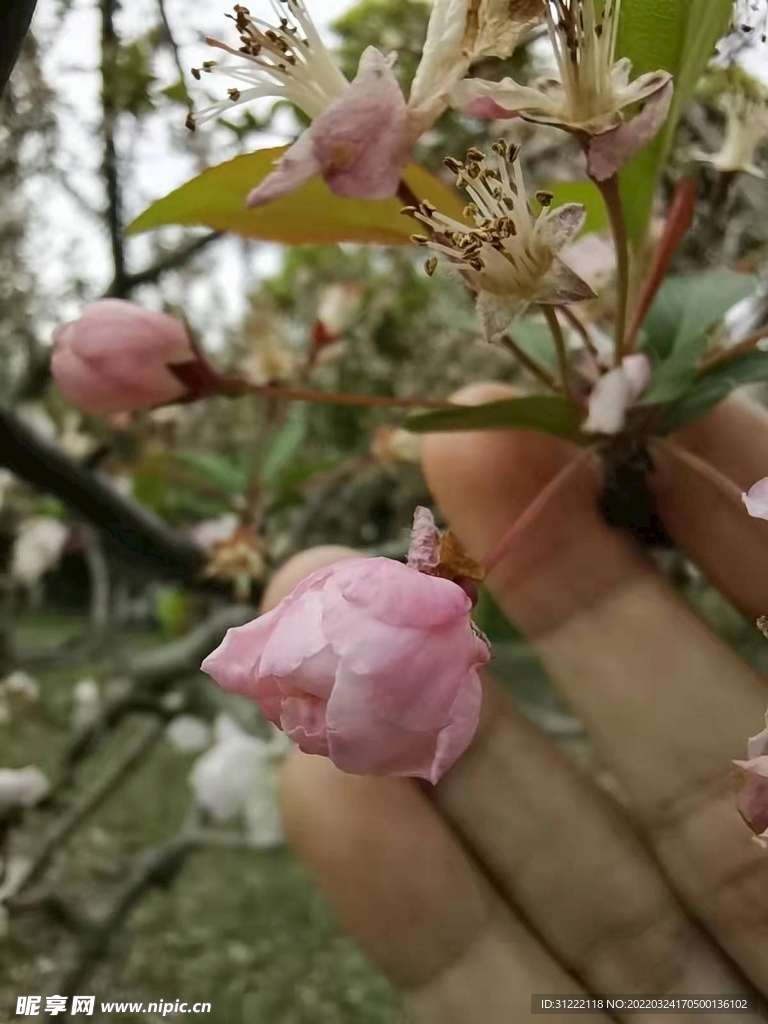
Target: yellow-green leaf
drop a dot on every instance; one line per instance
(311, 215)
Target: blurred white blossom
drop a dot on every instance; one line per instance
(86, 704)
(22, 787)
(237, 780)
(211, 532)
(37, 548)
(188, 734)
(23, 685)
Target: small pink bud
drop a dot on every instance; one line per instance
(117, 358)
(756, 499)
(368, 662)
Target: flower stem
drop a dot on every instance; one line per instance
(612, 199)
(704, 469)
(542, 499)
(740, 348)
(529, 363)
(560, 348)
(235, 387)
(578, 325)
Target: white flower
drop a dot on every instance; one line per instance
(614, 394)
(37, 548)
(22, 787)
(211, 532)
(237, 779)
(21, 684)
(188, 734)
(592, 92)
(361, 132)
(510, 256)
(459, 33)
(87, 701)
(745, 131)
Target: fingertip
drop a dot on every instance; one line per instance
(299, 567)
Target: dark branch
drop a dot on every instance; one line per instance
(114, 211)
(14, 24)
(169, 261)
(130, 529)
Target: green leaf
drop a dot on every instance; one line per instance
(676, 36)
(283, 448)
(713, 387)
(535, 338)
(228, 474)
(311, 215)
(586, 193)
(547, 414)
(677, 325)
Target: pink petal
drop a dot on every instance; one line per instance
(235, 661)
(303, 719)
(637, 367)
(294, 169)
(362, 140)
(752, 801)
(424, 550)
(479, 97)
(758, 745)
(362, 743)
(454, 739)
(756, 499)
(399, 596)
(608, 403)
(112, 324)
(298, 650)
(609, 152)
(88, 389)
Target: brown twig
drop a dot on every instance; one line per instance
(560, 348)
(107, 782)
(529, 363)
(739, 348)
(114, 210)
(679, 220)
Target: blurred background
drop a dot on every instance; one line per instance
(144, 860)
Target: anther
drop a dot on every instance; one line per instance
(421, 240)
(431, 265)
(544, 198)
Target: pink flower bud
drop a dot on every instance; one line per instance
(368, 662)
(116, 357)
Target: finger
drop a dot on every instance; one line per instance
(734, 440)
(668, 703)
(402, 885)
(603, 908)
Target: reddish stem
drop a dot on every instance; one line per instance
(234, 387)
(542, 499)
(679, 219)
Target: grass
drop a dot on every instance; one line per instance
(243, 930)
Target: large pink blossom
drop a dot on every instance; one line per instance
(116, 357)
(369, 662)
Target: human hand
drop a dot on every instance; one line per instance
(517, 874)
